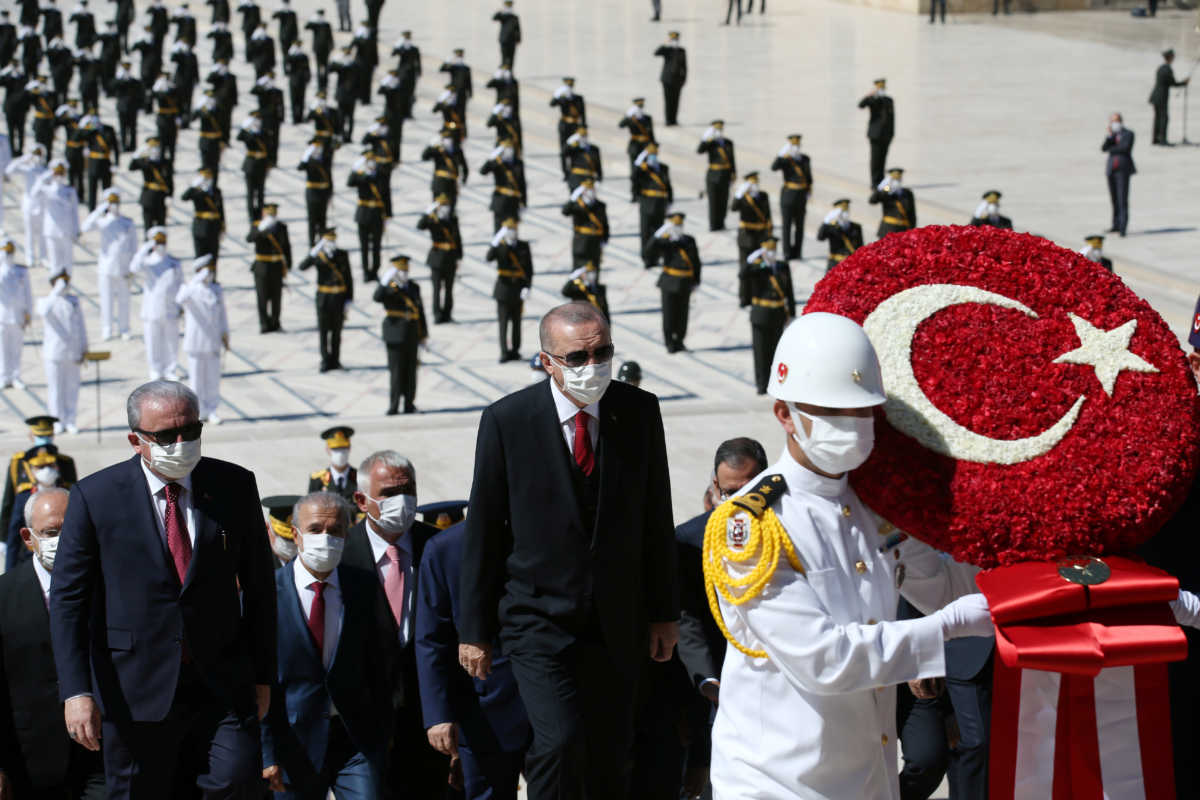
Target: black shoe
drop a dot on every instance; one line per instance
(513, 355)
(409, 408)
(391, 412)
(325, 368)
(505, 358)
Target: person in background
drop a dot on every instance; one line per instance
(161, 278)
(64, 342)
(404, 329)
(843, 235)
(1094, 251)
(631, 373)
(44, 463)
(1119, 168)
(673, 76)
(16, 310)
(1160, 96)
(118, 244)
(42, 430)
(278, 519)
(881, 126)
(339, 477)
(205, 334)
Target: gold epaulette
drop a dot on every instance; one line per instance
(316, 476)
(24, 487)
(763, 496)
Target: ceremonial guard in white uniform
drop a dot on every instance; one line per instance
(60, 217)
(16, 306)
(32, 165)
(808, 702)
(161, 278)
(205, 332)
(64, 341)
(118, 243)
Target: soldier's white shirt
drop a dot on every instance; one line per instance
(16, 296)
(206, 321)
(32, 170)
(64, 336)
(818, 718)
(118, 240)
(161, 278)
(60, 204)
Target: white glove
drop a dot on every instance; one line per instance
(388, 276)
(1187, 609)
(525, 294)
(885, 185)
(966, 616)
(832, 217)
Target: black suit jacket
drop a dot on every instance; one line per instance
(119, 618)
(533, 570)
(1119, 147)
(701, 643)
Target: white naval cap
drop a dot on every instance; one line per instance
(112, 193)
(202, 262)
(58, 162)
(157, 230)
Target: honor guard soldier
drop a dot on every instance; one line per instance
(295, 66)
(208, 217)
(220, 10)
(590, 223)
(881, 127)
(347, 92)
(150, 63)
(52, 21)
(260, 51)
(460, 80)
(507, 123)
(366, 56)
(225, 94)
(371, 214)
(251, 17)
(212, 136)
(222, 46)
(102, 152)
(754, 209)
(16, 311)
(110, 54)
(289, 29)
(988, 212)
(899, 204)
(514, 278)
(60, 217)
(255, 164)
(15, 106)
(506, 86)
(510, 32)
(793, 198)
(339, 477)
(42, 430)
(448, 159)
(85, 25)
(166, 117)
(279, 527)
(404, 328)
(508, 171)
(680, 274)
(395, 110)
(322, 45)
(45, 476)
(379, 138)
(442, 514)
(447, 105)
(272, 261)
(187, 76)
(327, 125)
(584, 285)
(843, 235)
(161, 278)
(67, 117)
(1160, 96)
(205, 334)
(335, 291)
(1094, 251)
(641, 133)
(765, 284)
(673, 76)
(583, 159)
(272, 113)
(185, 25)
(652, 180)
(31, 51)
(444, 253)
(318, 186)
(33, 166)
(64, 341)
(89, 68)
(408, 67)
(573, 113)
(722, 171)
(158, 183)
(118, 243)
(62, 64)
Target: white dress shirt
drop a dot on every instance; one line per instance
(566, 417)
(158, 493)
(43, 576)
(383, 566)
(333, 605)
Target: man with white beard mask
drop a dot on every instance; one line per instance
(118, 243)
(16, 306)
(161, 278)
(339, 477)
(64, 341)
(60, 220)
(32, 166)
(205, 333)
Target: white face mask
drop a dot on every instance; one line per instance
(588, 196)
(443, 212)
(285, 549)
(47, 546)
(837, 444)
(322, 552)
(339, 457)
(174, 461)
(507, 154)
(46, 476)
(588, 383)
(1116, 126)
(993, 209)
(396, 513)
(844, 219)
(896, 185)
(652, 160)
(448, 144)
(510, 237)
(207, 276)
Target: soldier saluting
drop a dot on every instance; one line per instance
(754, 207)
(573, 113)
(722, 171)
(765, 284)
(158, 183)
(448, 159)
(680, 274)
(793, 198)
(272, 260)
(371, 214)
(844, 236)
(404, 328)
(590, 223)
(208, 217)
(987, 213)
(514, 277)
(335, 292)
(641, 133)
(318, 186)
(652, 180)
(444, 252)
(508, 171)
(899, 204)
(584, 285)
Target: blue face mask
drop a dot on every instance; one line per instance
(38, 441)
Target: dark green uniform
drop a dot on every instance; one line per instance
(444, 253)
(594, 293)
(842, 241)
(722, 167)
(767, 288)
(591, 231)
(509, 195)
(654, 195)
(370, 216)
(446, 165)
(514, 273)
(208, 218)
(158, 183)
(899, 211)
(404, 327)
(754, 224)
(793, 202)
(102, 152)
(680, 274)
(573, 115)
(20, 478)
(641, 133)
(254, 168)
(583, 162)
(335, 288)
(322, 481)
(997, 221)
(272, 260)
(318, 188)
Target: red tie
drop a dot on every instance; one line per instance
(177, 536)
(316, 617)
(584, 456)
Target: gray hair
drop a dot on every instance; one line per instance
(162, 390)
(573, 313)
(389, 457)
(41, 494)
(324, 500)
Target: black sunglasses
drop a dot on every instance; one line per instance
(577, 358)
(184, 433)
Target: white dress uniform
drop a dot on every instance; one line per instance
(161, 278)
(60, 221)
(64, 341)
(31, 208)
(818, 718)
(118, 244)
(16, 307)
(204, 332)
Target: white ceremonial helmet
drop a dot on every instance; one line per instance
(826, 360)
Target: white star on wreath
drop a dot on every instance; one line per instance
(1107, 351)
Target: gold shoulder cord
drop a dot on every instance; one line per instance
(766, 539)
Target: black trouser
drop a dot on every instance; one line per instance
(586, 248)
(89, 95)
(370, 241)
(675, 318)
(16, 131)
(185, 105)
(75, 169)
(296, 92)
(256, 184)
(446, 186)
(127, 122)
(565, 129)
(996, 7)
(582, 721)
(271, 139)
(322, 60)
(402, 369)
(1118, 193)
(415, 770)
(509, 317)
(346, 112)
(764, 336)
(716, 186)
(83, 780)
(508, 54)
(317, 201)
(365, 77)
(99, 176)
(210, 155)
(651, 212)
(268, 285)
(503, 207)
(167, 134)
(329, 329)
(972, 704)
(344, 23)
(793, 203)
(921, 727)
(154, 209)
(671, 92)
(879, 151)
(409, 87)
(933, 7)
(1160, 123)
(206, 237)
(43, 134)
(443, 291)
(729, 11)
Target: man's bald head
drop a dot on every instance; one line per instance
(559, 320)
(46, 505)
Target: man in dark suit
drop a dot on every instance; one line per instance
(37, 757)
(482, 722)
(327, 728)
(163, 611)
(673, 76)
(572, 564)
(880, 128)
(1160, 96)
(1119, 168)
(339, 477)
(388, 545)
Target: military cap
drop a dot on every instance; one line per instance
(7, 243)
(157, 231)
(588, 182)
(279, 508)
(511, 222)
(330, 232)
(771, 239)
(1095, 240)
(112, 194)
(581, 130)
(795, 136)
(639, 100)
(673, 35)
(992, 196)
(569, 80)
(843, 202)
(406, 34)
(751, 176)
(651, 148)
(399, 259)
(630, 371)
(895, 170)
(443, 514)
(205, 171)
(881, 81)
(41, 425)
(718, 123)
(151, 140)
(458, 51)
(337, 436)
(1169, 53)
(442, 199)
(676, 215)
(272, 205)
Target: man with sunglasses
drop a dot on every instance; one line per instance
(571, 565)
(163, 611)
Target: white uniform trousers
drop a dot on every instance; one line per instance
(34, 248)
(12, 337)
(62, 390)
(162, 346)
(114, 289)
(204, 376)
(60, 252)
